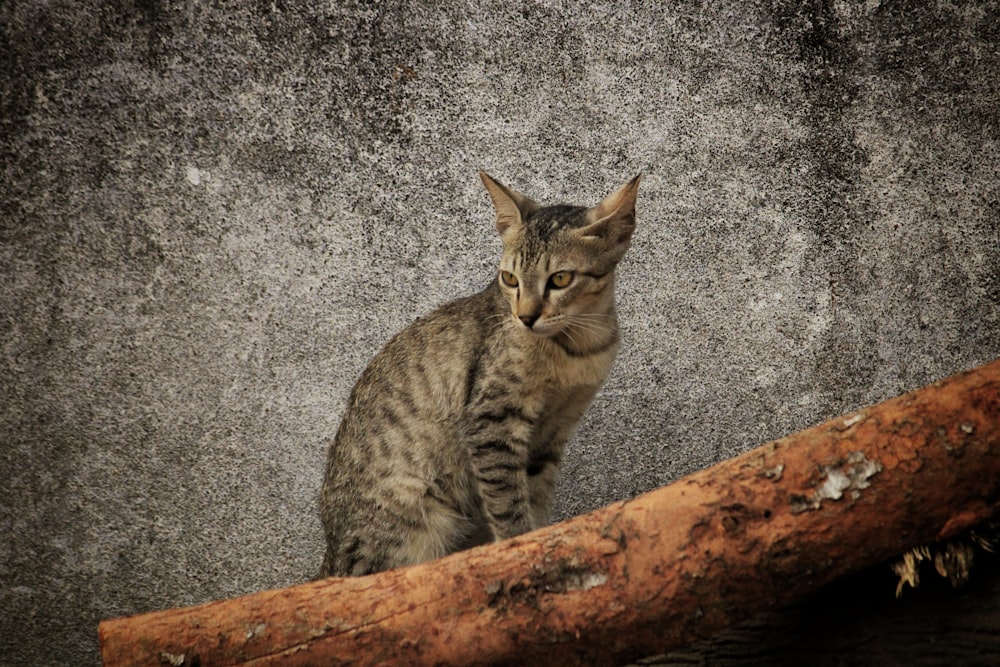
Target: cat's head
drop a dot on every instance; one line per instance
(558, 262)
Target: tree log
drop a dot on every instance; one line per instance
(640, 576)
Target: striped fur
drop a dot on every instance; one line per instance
(454, 433)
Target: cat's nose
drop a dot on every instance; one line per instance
(528, 320)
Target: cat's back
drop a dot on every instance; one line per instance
(399, 439)
(424, 371)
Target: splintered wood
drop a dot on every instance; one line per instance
(637, 577)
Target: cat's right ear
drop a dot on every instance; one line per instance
(512, 207)
(614, 218)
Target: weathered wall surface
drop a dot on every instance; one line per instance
(211, 217)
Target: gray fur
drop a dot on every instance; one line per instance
(454, 433)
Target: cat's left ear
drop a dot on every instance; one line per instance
(512, 207)
(613, 220)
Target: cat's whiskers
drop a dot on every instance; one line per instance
(500, 319)
(588, 325)
(594, 317)
(567, 332)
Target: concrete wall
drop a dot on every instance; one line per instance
(211, 218)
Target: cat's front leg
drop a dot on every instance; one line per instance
(500, 470)
(542, 474)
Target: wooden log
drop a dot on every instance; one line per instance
(640, 576)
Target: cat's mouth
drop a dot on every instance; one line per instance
(544, 328)
(578, 334)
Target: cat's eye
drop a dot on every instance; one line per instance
(561, 279)
(508, 278)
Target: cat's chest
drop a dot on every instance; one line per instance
(551, 374)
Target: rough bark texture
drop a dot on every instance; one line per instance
(640, 576)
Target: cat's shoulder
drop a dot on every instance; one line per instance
(480, 308)
(467, 317)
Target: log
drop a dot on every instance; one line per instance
(641, 576)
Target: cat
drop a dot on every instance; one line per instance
(454, 433)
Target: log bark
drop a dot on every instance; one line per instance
(641, 576)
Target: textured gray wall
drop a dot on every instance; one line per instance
(213, 217)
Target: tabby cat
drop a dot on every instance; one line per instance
(454, 433)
